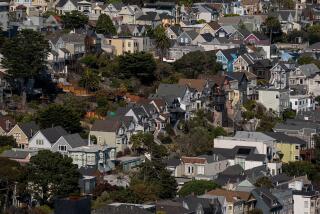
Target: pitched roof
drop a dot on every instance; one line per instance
(238, 75)
(231, 196)
(193, 160)
(53, 134)
(214, 25)
(175, 29)
(75, 140)
(283, 138)
(192, 34)
(109, 125)
(208, 37)
(197, 84)
(123, 209)
(29, 128)
(15, 154)
(149, 16)
(250, 2)
(171, 90)
(309, 69)
(73, 38)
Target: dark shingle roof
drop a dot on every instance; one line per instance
(149, 16)
(192, 34)
(281, 137)
(75, 140)
(123, 209)
(109, 125)
(19, 154)
(29, 128)
(207, 36)
(53, 134)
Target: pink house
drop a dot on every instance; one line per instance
(257, 39)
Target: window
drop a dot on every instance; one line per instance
(189, 169)
(296, 157)
(17, 136)
(39, 142)
(296, 102)
(200, 170)
(297, 147)
(62, 148)
(129, 44)
(306, 204)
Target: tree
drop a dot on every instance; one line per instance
(300, 168)
(197, 187)
(105, 25)
(161, 40)
(25, 56)
(59, 115)
(140, 65)
(141, 141)
(288, 114)
(89, 80)
(273, 26)
(314, 33)
(197, 62)
(74, 20)
(102, 102)
(305, 60)
(51, 175)
(264, 182)
(7, 141)
(10, 174)
(317, 148)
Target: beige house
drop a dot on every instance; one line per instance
(120, 45)
(6, 124)
(210, 27)
(201, 167)
(130, 13)
(114, 132)
(23, 132)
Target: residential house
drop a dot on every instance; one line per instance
(151, 19)
(169, 8)
(227, 57)
(23, 132)
(289, 20)
(179, 99)
(130, 13)
(120, 45)
(280, 74)
(187, 37)
(114, 132)
(204, 12)
(306, 201)
(246, 157)
(251, 7)
(245, 62)
(225, 31)
(195, 204)
(131, 30)
(112, 9)
(313, 84)
(45, 138)
(203, 167)
(173, 32)
(243, 84)
(94, 156)
(264, 144)
(6, 124)
(129, 163)
(302, 74)
(74, 43)
(67, 142)
(201, 91)
(261, 68)
(65, 6)
(84, 7)
(266, 201)
(302, 102)
(303, 129)
(235, 201)
(276, 100)
(210, 27)
(288, 146)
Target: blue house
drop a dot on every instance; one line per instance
(227, 57)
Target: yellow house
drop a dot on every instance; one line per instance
(121, 45)
(288, 146)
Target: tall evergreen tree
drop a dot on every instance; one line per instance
(105, 25)
(161, 40)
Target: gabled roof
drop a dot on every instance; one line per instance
(61, 3)
(197, 84)
(171, 90)
(208, 37)
(109, 125)
(238, 76)
(29, 128)
(16, 154)
(309, 69)
(192, 34)
(75, 140)
(229, 29)
(214, 25)
(176, 29)
(250, 2)
(53, 134)
(73, 38)
(149, 16)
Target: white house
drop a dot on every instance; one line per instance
(306, 201)
(45, 138)
(301, 103)
(67, 142)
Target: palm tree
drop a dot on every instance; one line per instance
(162, 41)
